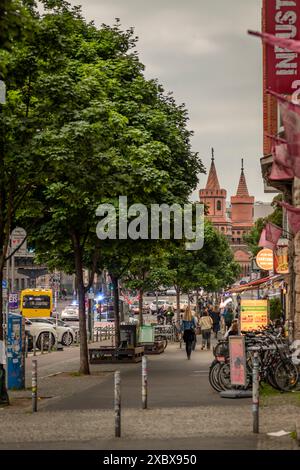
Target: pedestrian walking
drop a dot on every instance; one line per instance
(228, 317)
(189, 325)
(206, 324)
(233, 330)
(215, 316)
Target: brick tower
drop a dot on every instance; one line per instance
(242, 211)
(215, 199)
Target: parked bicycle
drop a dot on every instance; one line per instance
(275, 361)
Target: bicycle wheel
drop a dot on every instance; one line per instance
(224, 376)
(286, 376)
(213, 376)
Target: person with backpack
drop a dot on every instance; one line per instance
(228, 317)
(188, 328)
(206, 325)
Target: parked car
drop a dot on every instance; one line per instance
(171, 291)
(135, 309)
(71, 312)
(65, 334)
(37, 329)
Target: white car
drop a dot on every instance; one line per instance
(71, 312)
(37, 329)
(65, 334)
(171, 292)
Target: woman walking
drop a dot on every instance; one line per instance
(206, 325)
(189, 325)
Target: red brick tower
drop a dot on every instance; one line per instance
(242, 210)
(215, 199)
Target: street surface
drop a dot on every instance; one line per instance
(76, 412)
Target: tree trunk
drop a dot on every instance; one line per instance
(197, 302)
(177, 303)
(141, 320)
(84, 359)
(114, 281)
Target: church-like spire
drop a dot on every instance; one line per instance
(212, 180)
(242, 189)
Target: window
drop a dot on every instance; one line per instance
(238, 240)
(238, 232)
(219, 206)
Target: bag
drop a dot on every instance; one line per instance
(188, 335)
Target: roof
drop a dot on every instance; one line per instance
(242, 189)
(212, 180)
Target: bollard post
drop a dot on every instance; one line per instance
(42, 343)
(34, 385)
(49, 342)
(255, 393)
(26, 346)
(144, 383)
(117, 404)
(34, 345)
(97, 335)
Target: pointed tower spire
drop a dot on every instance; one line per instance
(212, 180)
(242, 189)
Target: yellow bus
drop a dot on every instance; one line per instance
(36, 303)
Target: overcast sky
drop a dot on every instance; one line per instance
(199, 49)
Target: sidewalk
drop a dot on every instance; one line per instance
(183, 410)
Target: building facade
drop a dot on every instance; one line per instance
(235, 221)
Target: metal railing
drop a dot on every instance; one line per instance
(168, 332)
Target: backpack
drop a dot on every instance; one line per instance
(228, 317)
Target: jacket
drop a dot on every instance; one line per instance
(206, 323)
(189, 325)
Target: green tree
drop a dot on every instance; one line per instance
(17, 160)
(103, 131)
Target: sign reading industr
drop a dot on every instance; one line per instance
(264, 259)
(254, 314)
(282, 18)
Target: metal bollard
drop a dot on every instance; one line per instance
(34, 385)
(97, 335)
(49, 342)
(42, 343)
(255, 393)
(68, 338)
(34, 345)
(144, 383)
(117, 404)
(26, 346)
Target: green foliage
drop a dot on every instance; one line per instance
(275, 308)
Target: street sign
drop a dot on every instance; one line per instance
(17, 237)
(254, 314)
(13, 301)
(4, 284)
(264, 259)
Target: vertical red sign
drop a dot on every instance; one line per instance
(282, 18)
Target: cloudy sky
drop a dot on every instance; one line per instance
(199, 49)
